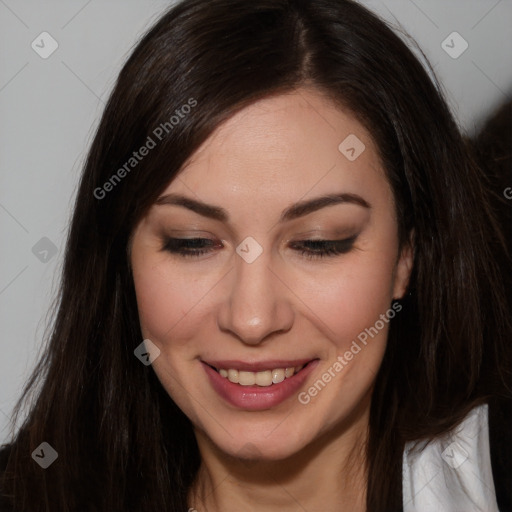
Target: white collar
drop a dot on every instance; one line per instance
(453, 473)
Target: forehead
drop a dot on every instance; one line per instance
(286, 145)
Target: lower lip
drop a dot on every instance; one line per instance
(258, 398)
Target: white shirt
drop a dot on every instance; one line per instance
(453, 473)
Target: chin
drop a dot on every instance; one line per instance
(282, 442)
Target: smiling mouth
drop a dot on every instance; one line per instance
(263, 378)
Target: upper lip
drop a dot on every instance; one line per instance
(257, 366)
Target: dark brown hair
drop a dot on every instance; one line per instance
(122, 442)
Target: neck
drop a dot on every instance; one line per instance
(329, 474)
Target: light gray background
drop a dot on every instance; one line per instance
(50, 107)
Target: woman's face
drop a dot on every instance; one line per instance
(252, 298)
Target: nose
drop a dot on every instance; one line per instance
(258, 303)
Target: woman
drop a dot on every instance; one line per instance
(280, 288)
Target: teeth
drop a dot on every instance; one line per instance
(246, 378)
(233, 376)
(265, 378)
(278, 375)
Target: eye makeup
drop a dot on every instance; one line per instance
(310, 249)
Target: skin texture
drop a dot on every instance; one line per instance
(277, 151)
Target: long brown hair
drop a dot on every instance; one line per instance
(122, 442)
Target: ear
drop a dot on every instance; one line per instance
(403, 268)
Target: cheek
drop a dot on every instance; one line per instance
(354, 305)
(155, 300)
(169, 299)
(353, 298)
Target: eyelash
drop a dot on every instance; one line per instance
(182, 247)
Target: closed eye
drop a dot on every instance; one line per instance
(324, 248)
(311, 249)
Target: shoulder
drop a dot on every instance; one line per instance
(469, 466)
(5, 451)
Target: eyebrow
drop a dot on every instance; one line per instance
(294, 211)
